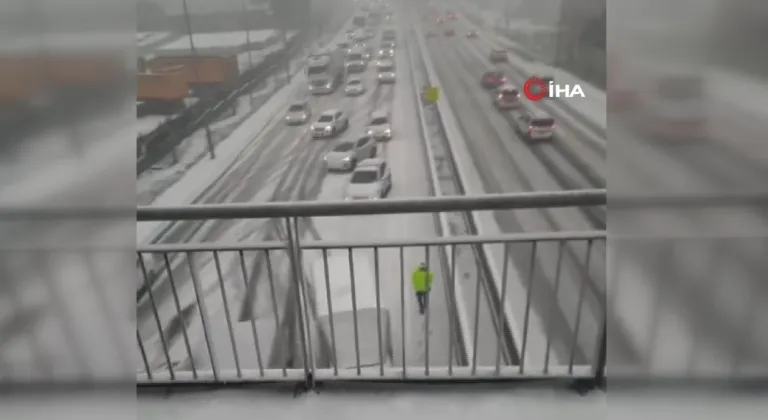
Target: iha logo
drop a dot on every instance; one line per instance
(537, 89)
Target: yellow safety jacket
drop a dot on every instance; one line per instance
(422, 280)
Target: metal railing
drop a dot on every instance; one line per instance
(300, 307)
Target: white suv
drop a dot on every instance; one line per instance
(329, 124)
(380, 126)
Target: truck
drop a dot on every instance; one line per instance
(359, 21)
(325, 71)
(355, 60)
(373, 346)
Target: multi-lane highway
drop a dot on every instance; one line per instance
(507, 164)
(283, 163)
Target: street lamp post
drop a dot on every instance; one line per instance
(188, 22)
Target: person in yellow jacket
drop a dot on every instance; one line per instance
(422, 284)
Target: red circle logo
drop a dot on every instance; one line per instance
(528, 89)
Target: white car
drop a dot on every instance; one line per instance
(345, 155)
(380, 127)
(371, 180)
(355, 87)
(329, 124)
(298, 113)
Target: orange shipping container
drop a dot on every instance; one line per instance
(168, 85)
(19, 81)
(200, 70)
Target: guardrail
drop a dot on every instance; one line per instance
(185, 305)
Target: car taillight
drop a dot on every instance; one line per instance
(530, 129)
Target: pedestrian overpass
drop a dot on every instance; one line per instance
(189, 287)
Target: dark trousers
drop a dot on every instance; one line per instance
(421, 298)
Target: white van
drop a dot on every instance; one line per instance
(338, 285)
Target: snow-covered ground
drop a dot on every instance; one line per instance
(147, 38)
(217, 42)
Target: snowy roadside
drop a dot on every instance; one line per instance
(486, 224)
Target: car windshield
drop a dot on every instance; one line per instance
(315, 70)
(509, 93)
(355, 57)
(353, 82)
(543, 122)
(364, 177)
(325, 118)
(343, 147)
(385, 68)
(379, 121)
(296, 108)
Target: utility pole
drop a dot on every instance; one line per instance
(188, 22)
(247, 29)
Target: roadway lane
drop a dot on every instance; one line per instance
(507, 164)
(281, 164)
(417, 339)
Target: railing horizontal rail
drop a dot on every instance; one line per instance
(542, 199)
(371, 207)
(379, 243)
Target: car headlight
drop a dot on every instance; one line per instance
(369, 132)
(287, 117)
(388, 131)
(312, 127)
(346, 159)
(328, 129)
(329, 85)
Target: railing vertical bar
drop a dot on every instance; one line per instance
(500, 312)
(354, 308)
(402, 310)
(306, 310)
(203, 315)
(241, 256)
(478, 280)
(378, 308)
(426, 313)
(177, 305)
(273, 297)
(531, 273)
(297, 275)
(452, 316)
(157, 316)
(554, 308)
(330, 311)
(582, 291)
(144, 356)
(227, 314)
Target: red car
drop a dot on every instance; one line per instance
(450, 32)
(472, 34)
(498, 56)
(492, 79)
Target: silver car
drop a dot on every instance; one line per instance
(329, 124)
(380, 127)
(355, 87)
(371, 180)
(345, 155)
(298, 113)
